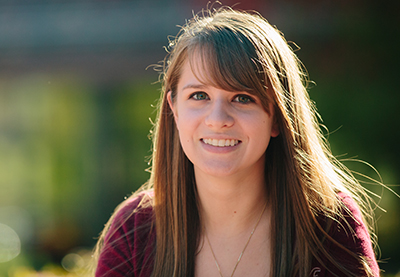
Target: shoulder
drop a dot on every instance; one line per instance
(356, 232)
(128, 242)
(135, 211)
(132, 222)
(348, 240)
(356, 236)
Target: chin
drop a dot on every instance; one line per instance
(218, 170)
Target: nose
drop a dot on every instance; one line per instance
(219, 115)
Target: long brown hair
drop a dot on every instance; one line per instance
(242, 52)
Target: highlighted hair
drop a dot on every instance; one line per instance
(243, 52)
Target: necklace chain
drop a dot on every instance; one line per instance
(244, 249)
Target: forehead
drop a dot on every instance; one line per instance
(200, 70)
(189, 79)
(197, 68)
(210, 67)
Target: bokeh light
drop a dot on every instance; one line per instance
(10, 244)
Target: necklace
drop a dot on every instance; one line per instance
(244, 249)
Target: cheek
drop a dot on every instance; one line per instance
(188, 118)
(186, 138)
(189, 128)
(185, 128)
(261, 130)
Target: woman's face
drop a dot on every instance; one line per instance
(222, 133)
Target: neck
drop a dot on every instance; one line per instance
(230, 206)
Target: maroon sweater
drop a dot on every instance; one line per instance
(128, 248)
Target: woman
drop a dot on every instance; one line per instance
(242, 183)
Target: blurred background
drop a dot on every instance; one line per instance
(76, 99)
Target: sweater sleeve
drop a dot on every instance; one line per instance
(127, 250)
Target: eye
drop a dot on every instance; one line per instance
(199, 96)
(243, 99)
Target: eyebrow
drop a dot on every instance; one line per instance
(196, 86)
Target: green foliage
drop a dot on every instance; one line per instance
(70, 152)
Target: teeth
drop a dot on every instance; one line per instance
(221, 142)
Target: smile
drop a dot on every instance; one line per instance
(221, 142)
